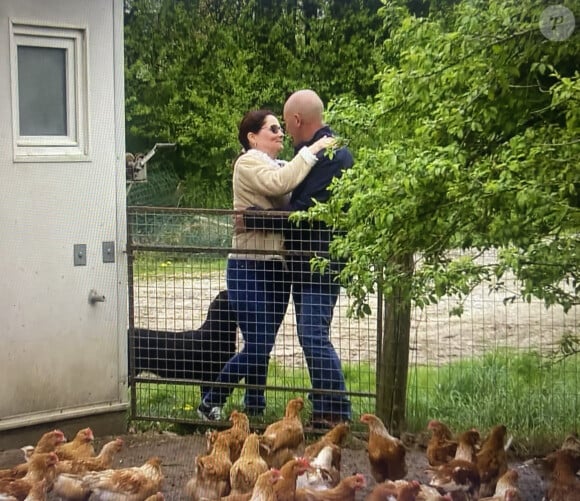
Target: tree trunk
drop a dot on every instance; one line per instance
(393, 363)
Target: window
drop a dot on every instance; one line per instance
(49, 93)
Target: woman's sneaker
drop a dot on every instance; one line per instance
(208, 413)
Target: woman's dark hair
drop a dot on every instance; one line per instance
(253, 121)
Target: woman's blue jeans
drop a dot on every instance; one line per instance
(258, 292)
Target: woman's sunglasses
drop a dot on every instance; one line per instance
(274, 129)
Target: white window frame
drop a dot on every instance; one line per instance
(74, 146)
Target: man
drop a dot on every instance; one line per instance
(314, 294)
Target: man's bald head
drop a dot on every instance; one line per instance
(303, 114)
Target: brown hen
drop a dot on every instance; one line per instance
(467, 446)
(129, 484)
(80, 447)
(285, 488)
(236, 434)
(284, 439)
(506, 487)
(458, 474)
(211, 478)
(47, 443)
(492, 460)
(386, 453)
(41, 467)
(441, 447)
(336, 436)
(264, 488)
(564, 484)
(103, 461)
(250, 465)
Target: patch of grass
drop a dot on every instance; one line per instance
(537, 400)
(176, 266)
(157, 401)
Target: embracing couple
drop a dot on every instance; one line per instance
(261, 275)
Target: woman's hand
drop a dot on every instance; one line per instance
(322, 144)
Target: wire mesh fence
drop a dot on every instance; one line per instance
(502, 360)
(177, 267)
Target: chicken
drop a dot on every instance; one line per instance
(47, 443)
(250, 465)
(80, 447)
(284, 439)
(27, 450)
(324, 471)
(345, 491)
(508, 482)
(237, 434)
(408, 490)
(211, 477)
(336, 436)
(564, 484)
(386, 453)
(126, 484)
(70, 472)
(509, 494)
(238, 497)
(38, 491)
(210, 436)
(264, 488)
(441, 447)
(428, 493)
(572, 443)
(103, 461)
(467, 446)
(285, 488)
(158, 496)
(460, 473)
(41, 467)
(492, 460)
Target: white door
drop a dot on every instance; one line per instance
(62, 210)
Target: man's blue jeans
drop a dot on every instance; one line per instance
(314, 303)
(258, 292)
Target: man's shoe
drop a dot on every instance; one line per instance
(208, 413)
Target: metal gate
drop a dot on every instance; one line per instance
(177, 261)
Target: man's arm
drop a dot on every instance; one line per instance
(315, 185)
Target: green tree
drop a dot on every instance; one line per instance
(471, 143)
(193, 67)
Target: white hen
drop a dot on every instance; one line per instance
(324, 472)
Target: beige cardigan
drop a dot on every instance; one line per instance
(260, 181)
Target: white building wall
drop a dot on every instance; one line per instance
(59, 355)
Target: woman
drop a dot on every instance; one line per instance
(258, 288)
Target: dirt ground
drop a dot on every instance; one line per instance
(491, 320)
(178, 453)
